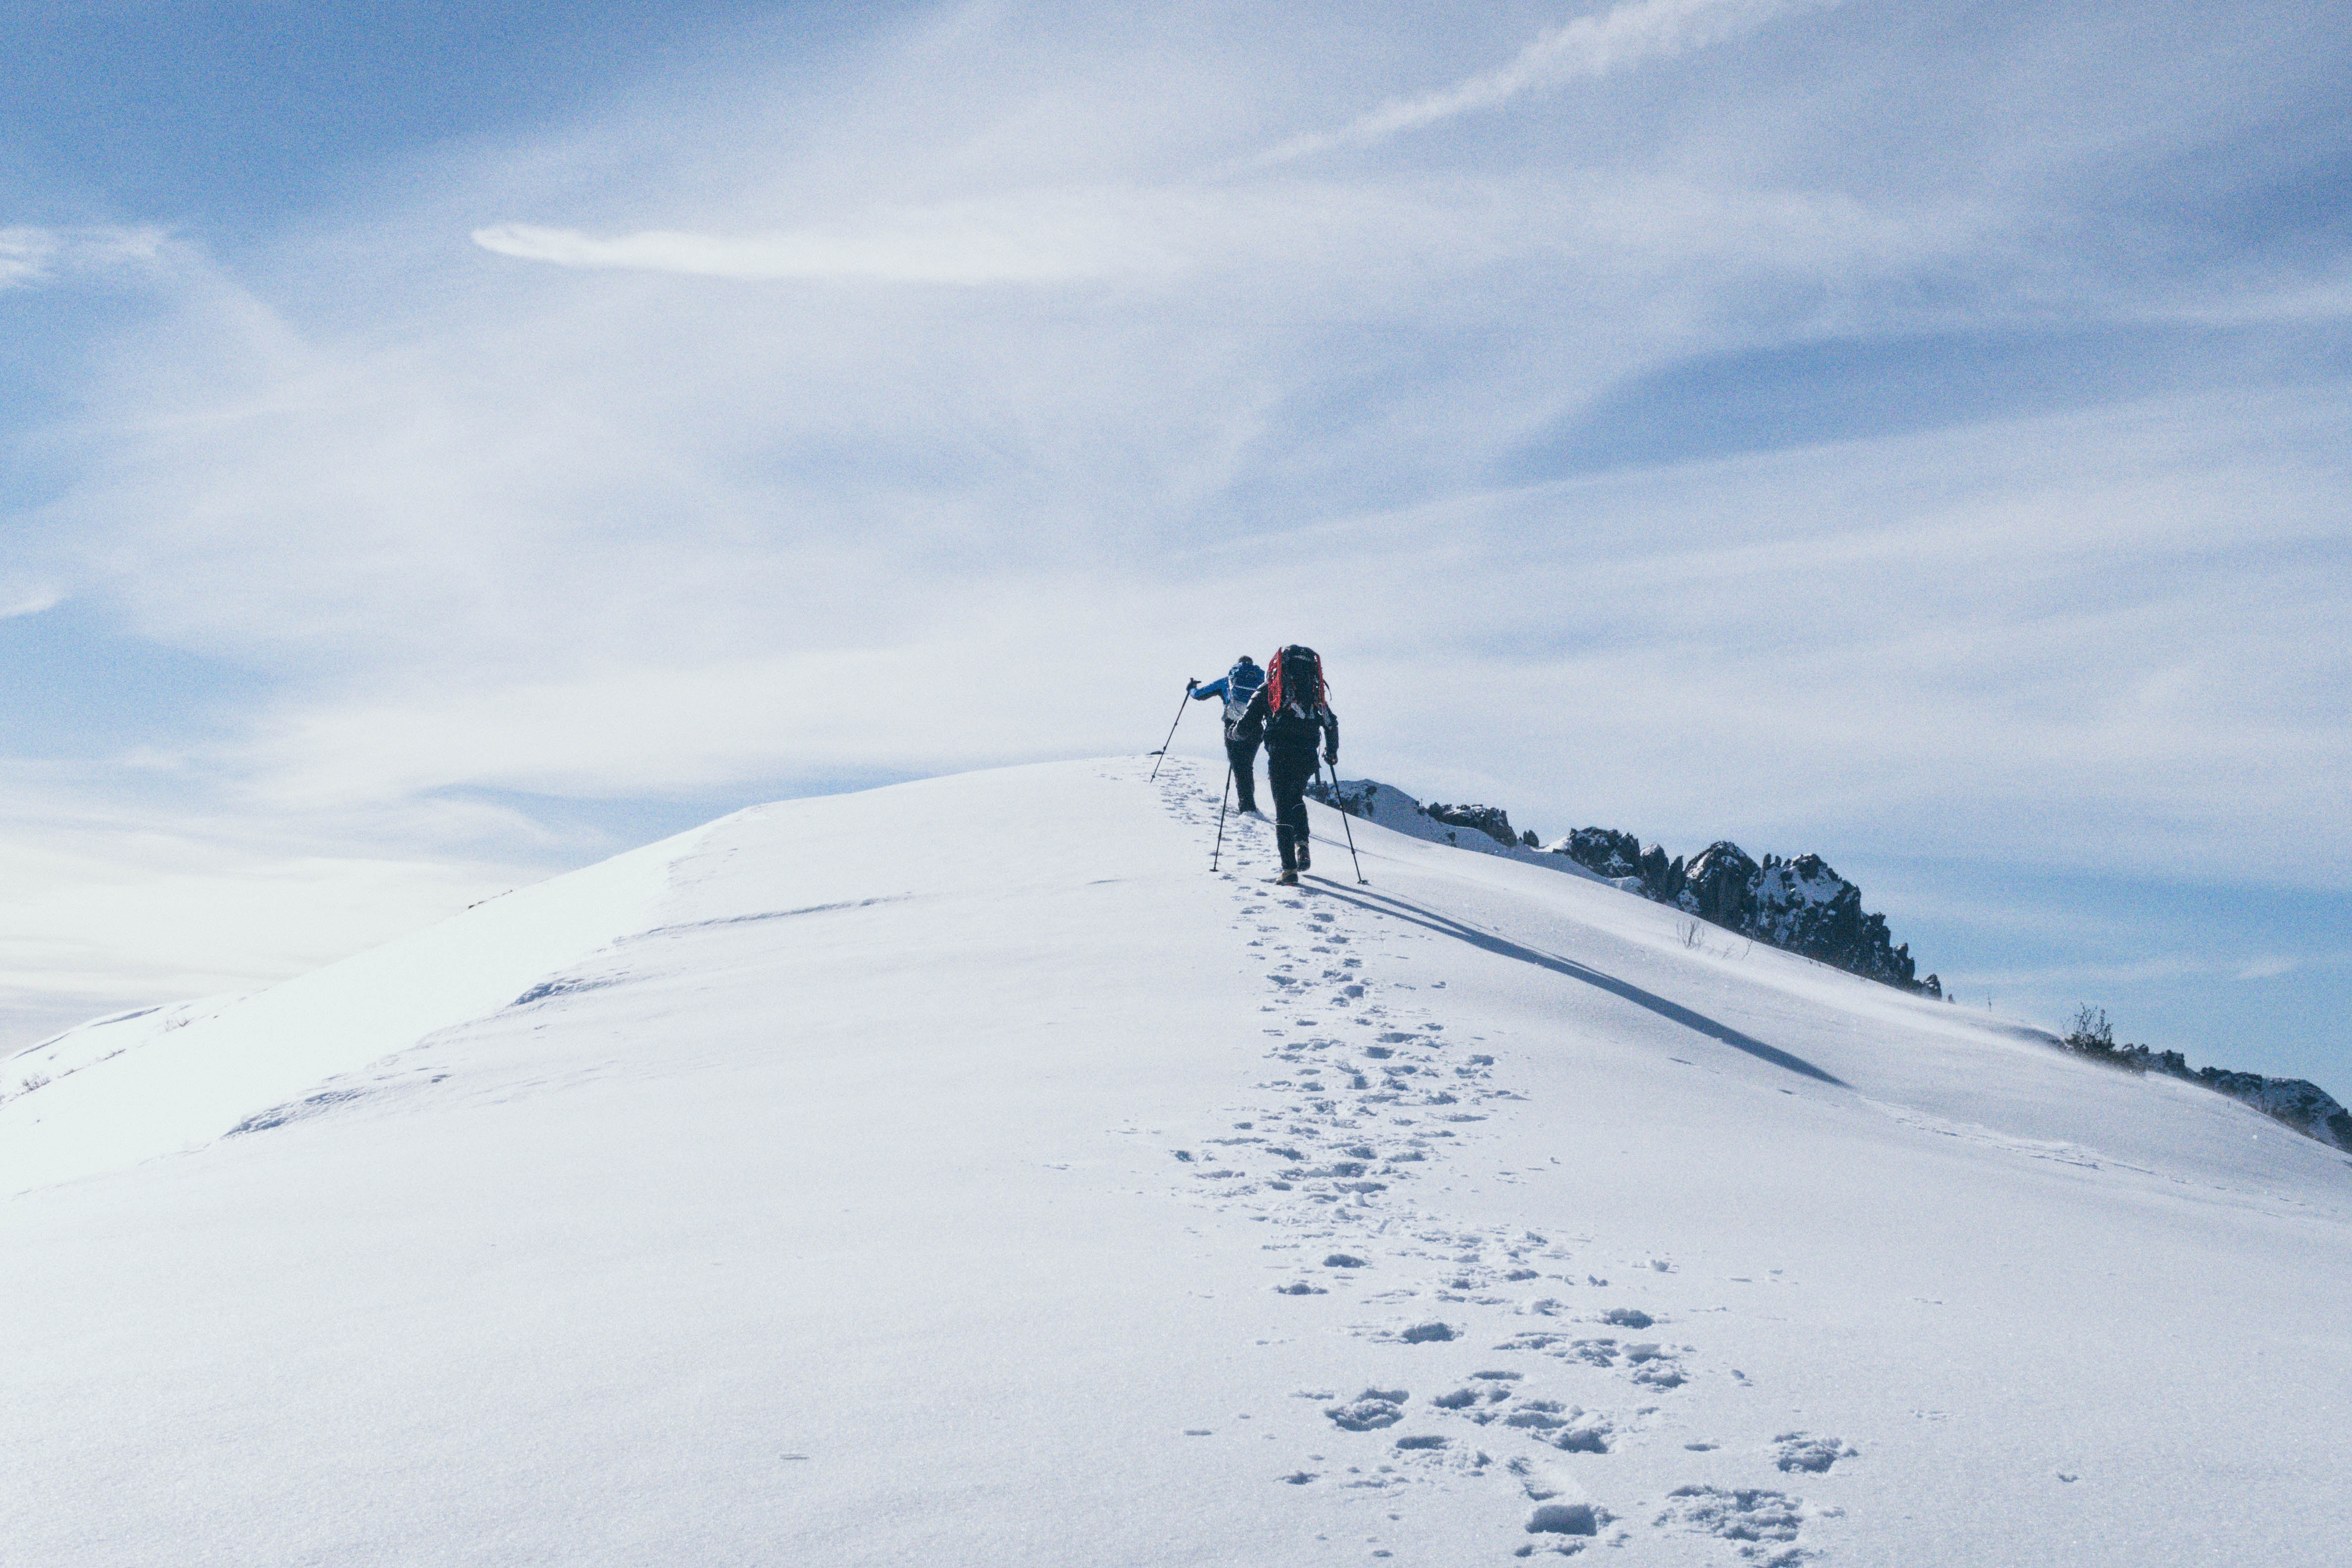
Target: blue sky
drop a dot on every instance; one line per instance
(443, 444)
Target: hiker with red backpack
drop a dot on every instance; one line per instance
(1294, 710)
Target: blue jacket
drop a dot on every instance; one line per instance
(1237, 686)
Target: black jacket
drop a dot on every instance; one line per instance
(1294, 730)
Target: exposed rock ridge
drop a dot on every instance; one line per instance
(1491, 820)
(1800, 905)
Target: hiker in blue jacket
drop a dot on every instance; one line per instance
(1243, 733)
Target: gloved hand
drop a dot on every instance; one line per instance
(1192, 685)
(1332, 757)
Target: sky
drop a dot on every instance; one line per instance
(442, 445)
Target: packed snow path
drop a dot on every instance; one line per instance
(960, 1172)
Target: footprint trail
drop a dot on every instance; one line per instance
(1534, 1374)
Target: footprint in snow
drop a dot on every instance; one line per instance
(1803, 1451)
(1370, 1411)
(1759, 1519)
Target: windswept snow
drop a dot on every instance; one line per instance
(123, 1089)
(960, 1172)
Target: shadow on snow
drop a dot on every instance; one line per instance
(1698, 1022)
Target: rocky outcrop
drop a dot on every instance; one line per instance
(1491, 820)
(2300, 1103)
(1604, 851)
(1616, 856)
(1719, 885)
(1802, 904)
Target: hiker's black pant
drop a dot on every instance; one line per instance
(1288, 774)
(1243, 755)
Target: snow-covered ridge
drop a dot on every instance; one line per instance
(1800, 905)
(2299, 1102)
(125, 1088)
(963, 1172)
(1803, 906)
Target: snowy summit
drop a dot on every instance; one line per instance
(962, 1173)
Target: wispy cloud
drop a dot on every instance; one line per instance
(26, 599)
(29, 255)
(1393, 230)
(1050, 237)
(1616, 40)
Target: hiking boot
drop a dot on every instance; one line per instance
(1288, 879)
(1305, 860)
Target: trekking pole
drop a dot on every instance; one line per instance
(1163, 753)
(1346, 826)
(1220, 818)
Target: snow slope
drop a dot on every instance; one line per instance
(960, 1172)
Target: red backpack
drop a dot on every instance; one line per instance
(1295, 692)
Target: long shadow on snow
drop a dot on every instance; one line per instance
(1699, 1023)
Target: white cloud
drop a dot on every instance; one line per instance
(1616, 40)
(1053, 237)
(615, 536)
(25, 256)
(29, 255)
(26, 599)
(1386, 232)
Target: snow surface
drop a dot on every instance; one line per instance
(960, 1172)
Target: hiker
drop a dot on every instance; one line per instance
(1294, 709)
(1237, 686)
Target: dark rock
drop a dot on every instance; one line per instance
(1605, 852)
(1491, 820)
(2301, 1104)
(1804, 906)
(1719, 885)
(1355, 802)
